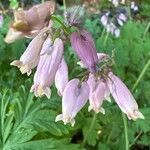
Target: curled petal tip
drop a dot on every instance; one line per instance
(47, 92)
(90, 108)
(138, 114)
(102, 110)
(59, 118)
(108, 99)
(16, 63)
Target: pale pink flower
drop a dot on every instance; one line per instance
(98, 93)
(83, 44)
(123, 97)
(31, 56)
(75, 96)
(61, 77)
(46, 70)
(13, 35)
(101, 57)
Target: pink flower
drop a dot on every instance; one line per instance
(101, 57)
(46, 70)
(98, 92)
(31, 56)
(83, 44)
(75, 96)
(61, 77)
(123, 97)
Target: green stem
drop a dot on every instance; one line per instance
(91, 127)
(64, 4)
(134, 87)
(67, 31)
(135, 139)
(141, 75)
(125, 131)
(146, 30)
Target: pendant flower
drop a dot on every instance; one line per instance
(98, 92)
(75, 96)
(46, 70)
(31, 56)
(83, 44)
(123, 97)
(61, 77)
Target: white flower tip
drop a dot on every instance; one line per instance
(39, 91)
(135, 115)
(65, 120)
(108, 99)
(72, 122)
(25, 69)
(97, 110)
(138, 114)
(47, 92)
(59, 118)
(90, 108)
(16, 63)
(102, 110)
(80, 63)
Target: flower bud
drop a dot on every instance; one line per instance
(74, 98)
(84, 46)
(46, 70)
(74, 16)
(30, 57)
(61, 77)
(123, 97)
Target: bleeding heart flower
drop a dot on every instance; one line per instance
(98, 93)
(123, 97)
(61, 77)
(31, 56)
(83, 44)
(46, 70)
(75, 96)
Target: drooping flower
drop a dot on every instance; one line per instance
(123, 97)
(75, 96)
(34, 19)
(31, 56)
(101, 57)
(46, 70)
(61, 77)
(13, 35)
(97, 94)
(29, 23)
(83, 44)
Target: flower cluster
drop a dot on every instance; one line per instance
(45, 52)
(113, 20)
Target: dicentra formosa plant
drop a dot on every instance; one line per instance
(46, 51)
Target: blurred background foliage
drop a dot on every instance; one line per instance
(28, 123)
